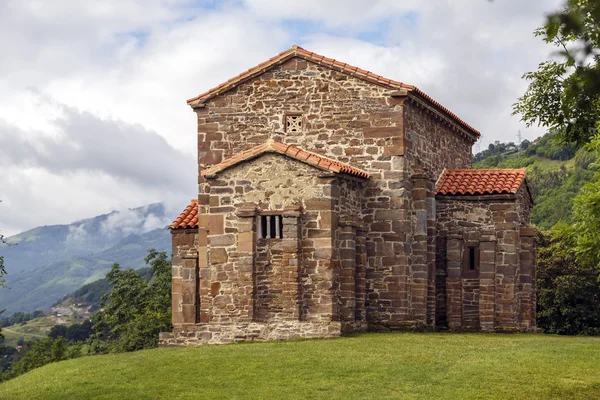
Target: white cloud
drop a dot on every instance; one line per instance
(93, 93)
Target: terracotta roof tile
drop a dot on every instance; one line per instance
(296, 51)
(479, 181)
(294, 152)
(188, 218)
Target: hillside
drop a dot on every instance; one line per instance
(49, 244)
(367, 366)
(91, 294)
(51, 261)
(555, 173)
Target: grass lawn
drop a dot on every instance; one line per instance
(367, 366)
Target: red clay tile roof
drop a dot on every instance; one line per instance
(479, 181)
(272, 146)
(296, 51)
(188, 218)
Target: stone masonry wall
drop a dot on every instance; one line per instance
(489, 298)
(352, 121)
(184, 276)
(435, 144)
(270, 184)
(349, 255)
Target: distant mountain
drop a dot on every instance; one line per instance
(50, 261)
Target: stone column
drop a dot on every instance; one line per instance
(419, 269)
(431, 253)
(454, 249)
(290, 268)
(507, 269)
(360, 276)
(526, 284)
(204, 270)
(184, 283)
(487, 287)
(246, 247)
(347, 284)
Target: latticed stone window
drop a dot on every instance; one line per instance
(293, 123)
(270, 227)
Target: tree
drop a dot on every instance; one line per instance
(568, 289)
(42, 352)
(586, 215)
(564, 95)
(135, 311)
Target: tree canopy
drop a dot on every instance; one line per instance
(564, 93)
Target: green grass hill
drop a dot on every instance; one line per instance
(367, 366)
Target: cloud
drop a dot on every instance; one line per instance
(92, 166)
(129, 221)
(92, 97)
(99, 146)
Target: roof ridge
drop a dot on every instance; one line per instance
(297, 51)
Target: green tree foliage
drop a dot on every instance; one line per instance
(586, 210)
(564, 95)
(568, 279)
(42, 352)
(91, 293)
(20, 317)
(135, 310)
(568, 290)
(73, 333)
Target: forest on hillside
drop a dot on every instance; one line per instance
(555, 173)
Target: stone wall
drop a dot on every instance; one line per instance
(435, 143)
(497, 295)
(271, 184)
(194, 335)
(369, 127)
(185, 294)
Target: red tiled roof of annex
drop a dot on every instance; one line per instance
(288, 150)
(188, 219)
(296, 51)
(479, 181)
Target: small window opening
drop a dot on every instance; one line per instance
(472, 258)
(293, 123)
(271, 227)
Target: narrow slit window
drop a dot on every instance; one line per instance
(271, 227)
(470, 262)
(472, 258)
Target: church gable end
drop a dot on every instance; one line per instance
(331, 200)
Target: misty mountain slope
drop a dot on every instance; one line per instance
(42, 287)
(50, 261)
(48, 244)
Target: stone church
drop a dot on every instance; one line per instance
(334, 200)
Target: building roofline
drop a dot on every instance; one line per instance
(296, 51)
(273, 146)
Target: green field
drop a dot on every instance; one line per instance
(368, 366)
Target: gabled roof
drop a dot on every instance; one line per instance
(272, 146)
(455, 182)
(188, 219)
(296, 51)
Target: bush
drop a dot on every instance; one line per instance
(568, 291)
